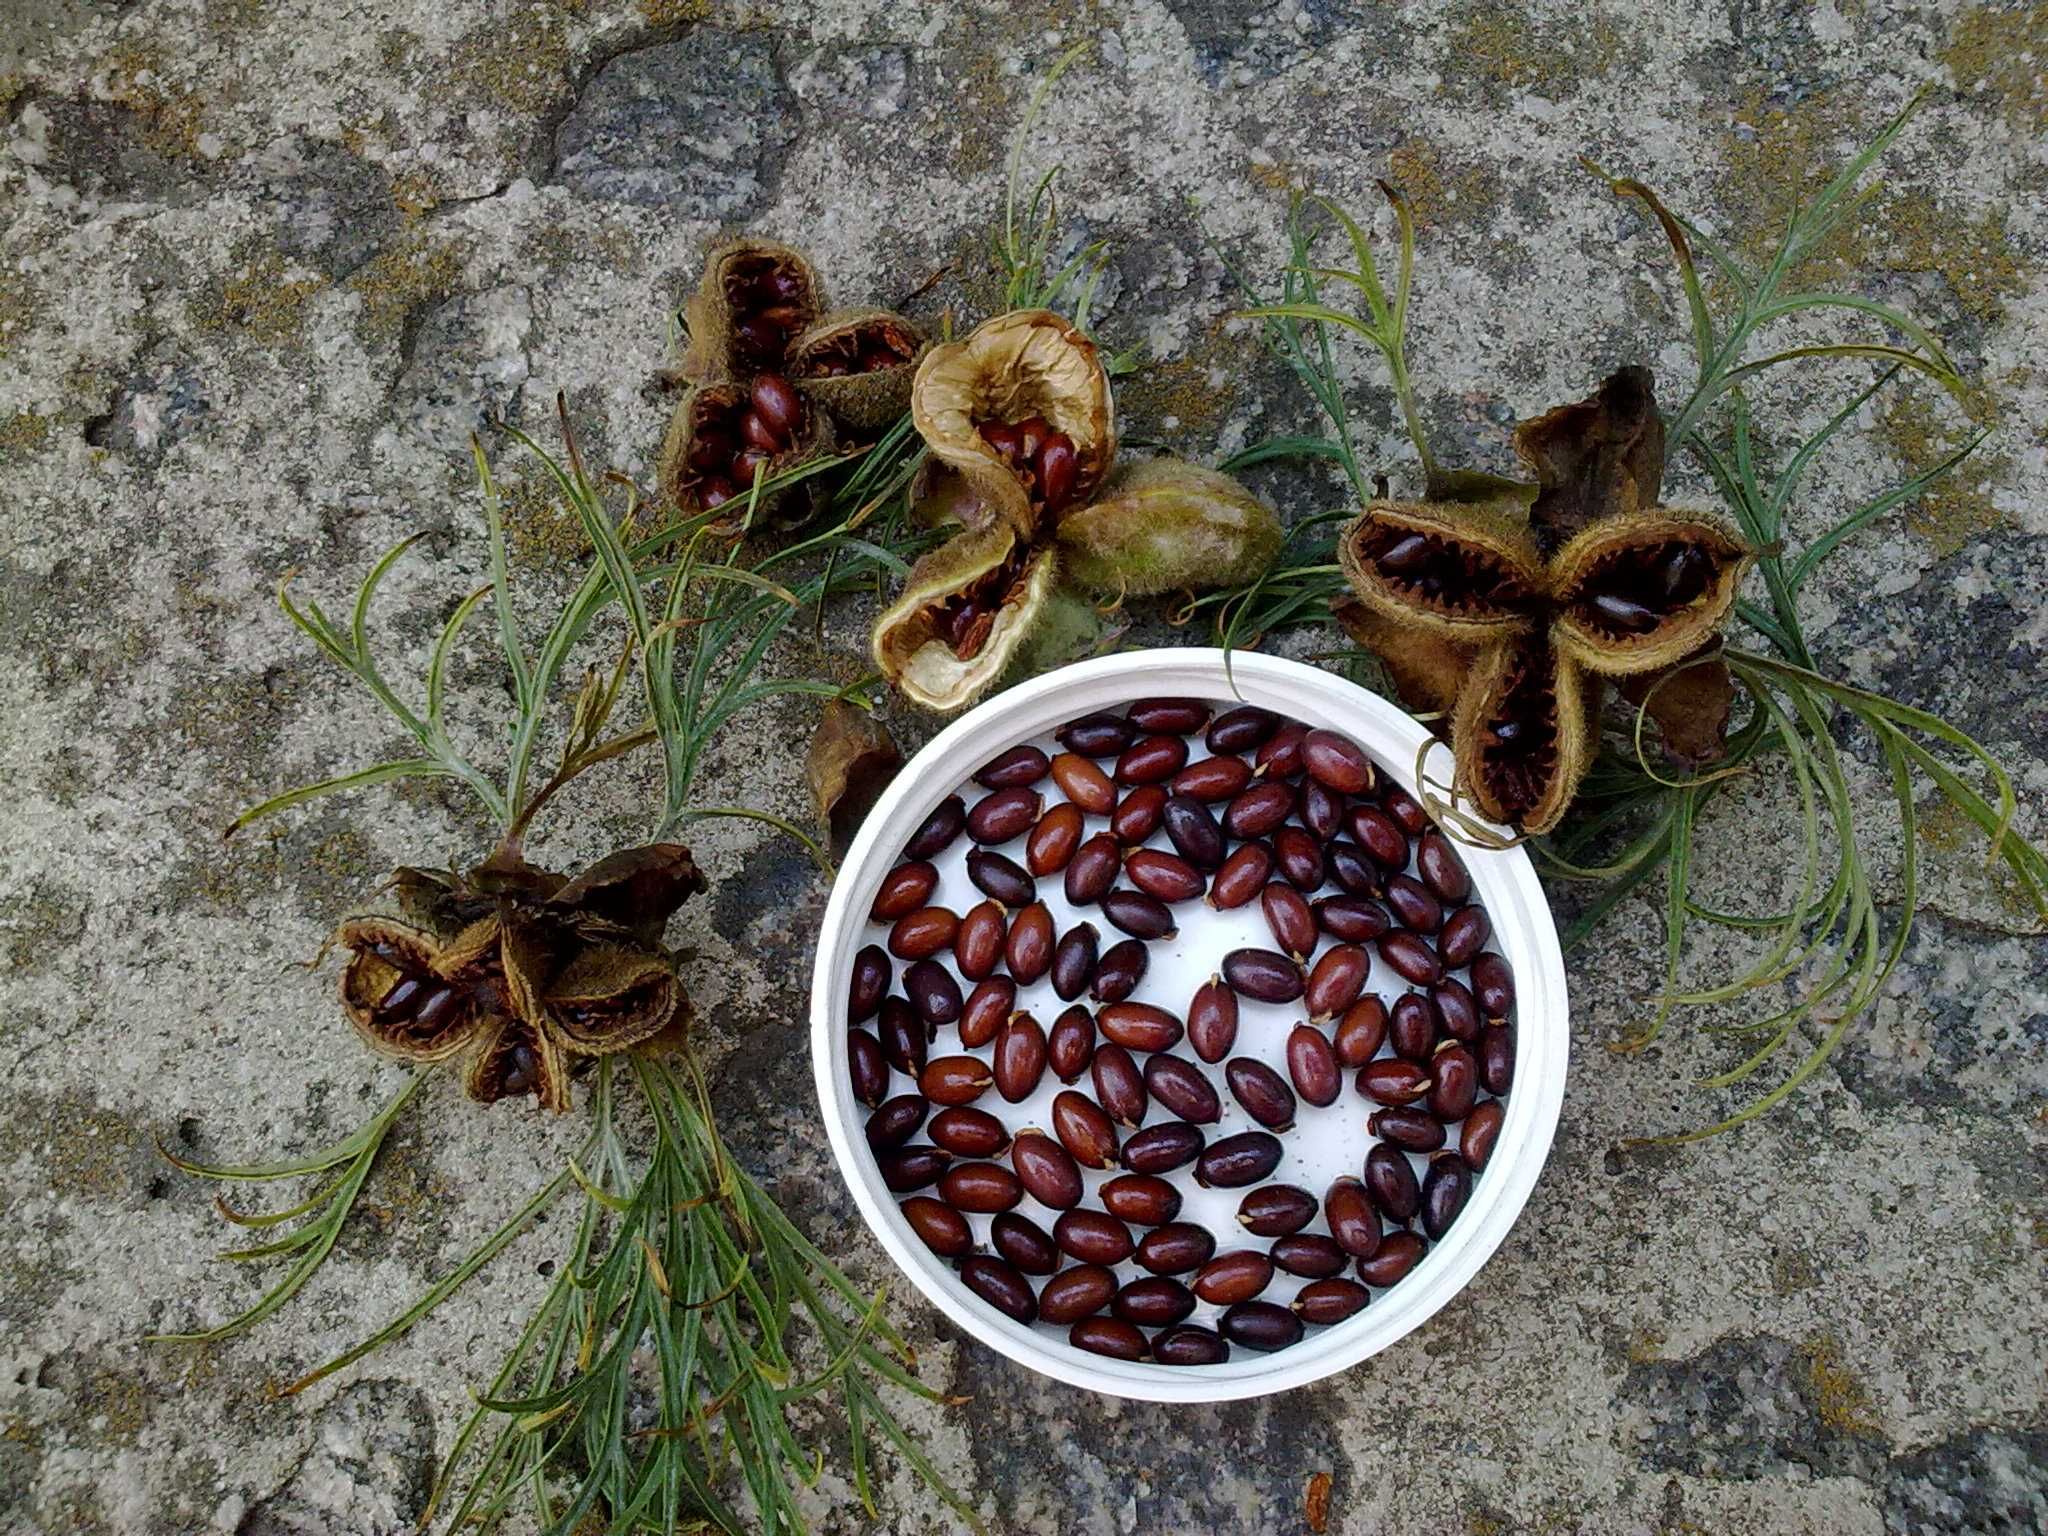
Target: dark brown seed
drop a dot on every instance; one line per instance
(1398, 1254)
(1380, 836)
(1119, 1088)
(896, 1121)
(1412, 959)
(1260, 1325)
(904, 889)
(1299, 858)
(1411, 1028)
(1084, 784)
(1445, 1189)
(1241, 729)
(1139, 1026)
(1003, 815)
(777, 404)
(1441, 868)
(914, 1167)
(1019, 1058)
(938, 830)
(921, 934)
(1310, 1255)
(1153, 1302)
(1138, 815)
(1070, 1043)
(1351, 919)
(1262, 1091)
(1321, 811)
(1173, 717)
(982, 1187)
(1163, 875)
(1457, 1015)
(986, 1009)
(1361, 1031)
(1002, 878)
(1119, 971)
(1242, 876)
(1405, 809)
(1337, 761)
(1193, 831)
(1093, 869)
(1181, 1088)
(1354, 1223)
(1313, 1065)
(1189, 1344)
(1077, 1292)
(1047, 1171)
(1139, 1198)
(1110, 1336)
(1274, 1210)
(1162, 1148)
(903, 1036)
(1102, 735)
(1335, 982)
(1093, 1237)
(942, 1229)
(1175, 1248)
(1456, 1084)
(1084, 1129)
(1233, 1277)
(872, 974)
(1414, 904)
(1073, 962)
(1053, 841)
(1262, 975)
(1021, 765)
(1289, 918)
(1497, 1058)
(1493, 985)
(1212, 1020)
(1028, 950)
(951, 1080)
(1411, 1129)
(1390, 1180)
(1024, 1243)
(969, 1132)
(1464, 934)
(1260, 809)
(1213, 779)
(866, 1067)
(978, 941)
(1330, 1301)
(933, 992)
(1280, 755)
(1347, 865)
(1480, 1131)
(1238, 1160)
(1139, 915)
(1391, 1080)
(997, 1282)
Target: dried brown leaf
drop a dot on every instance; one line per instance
(852, 759)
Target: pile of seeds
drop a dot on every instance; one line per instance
(1181, 1174)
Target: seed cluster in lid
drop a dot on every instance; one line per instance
(1173, 1173)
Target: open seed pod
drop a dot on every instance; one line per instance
(1021, 407)
(965, 609)
(1427, 670)
(1524, 732)
(1638, 591)
(396, 998)
(1165, 525)
(724, 436)
(1467, 573)
(857, 365)
(755, 298)
(514, 1057)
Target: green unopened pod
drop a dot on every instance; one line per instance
(1166, 525)
(755, 298)
(857, 365)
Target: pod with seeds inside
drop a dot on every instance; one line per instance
(724, 437)
(1466, 574)
(856, 365)
(1641, 590)
(756, 296)
(964, 610)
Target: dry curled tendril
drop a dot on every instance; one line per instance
(1510, 615)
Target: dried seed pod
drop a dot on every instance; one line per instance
(987, 1006)
(1046, 1169)
(1143, 1199)
(983, 1188)
(1138, 815)
(1051, 845)
(978, 941)
(1261, 1091)
(1361, 1031)
(1312, 1065)
(857, 365)
(1078, 1291)
(896, 1121)
(1275, 1210)
(1330, 1301)
(1154, 1302)
(1119, 971)
(1525, 731)
(754, 298)
(1183, 1090)
(1110, 1336)
(1390, 1180)
(904, 889)
(872, 974)
(1175, 1248)
(941, 1228)
(1070, 1043)
(1236, 1161)
(969, 1132)
(1189, 1344)
(1639, 591)
(1119, 1087)
(1093, 1237)
(1261, 1325)
(1028, 950)
(1480, 1131)
(1233, 1277)
(1467, 574)
(996, 1282)
(1019, 1057)
(1165, 525)
(719, 443)
(964, 610)
(1212, 1020)
(1084, 1129)
(1024, 1243)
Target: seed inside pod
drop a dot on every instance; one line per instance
(1154, 1302)
(1102, 735)
(1084, 1129)
(1497, 1059)
(1399, 1253)
(1354, 1223)
(1142, 1199)
(1164, 1147)
(1236, 1161)
(1330, 1301)
(1094, 1237)
(1182, 1089)
(987, 1007)
(1119, 971)
(1070, 1043)
(1046, 1169)
(1233, 1277)
(951, 1080)
(1043, 459)
(1093, 870)
(1080, 1290)
(1002, 878)
(996, 1282)
(1138, 815)
(1262, 1092)
(1019, 1057)
(872, 974)
(1309, 1254)
(1261, 1325)
(1312, 1065)
(1410, 1129)
(921, 934)
(1189, 1344)
(913, 1167)
(1073, 962)
(896, 1121)
(1275, 1210)
(1212, 1020)
(904, 889)
(938, 830)
(1024, 1243)
(1390, 1180)
(1109, 1336)
(969, 1132)
(1004, 814)
(1193, 831)
(1021, 765)
(1263, 976)
(866, 1067)
(1028, 950)
(1119, 1088)
(1176, 1248)
(978, 941)
(1361, 1031)
(1052, 842)
(1480, 1131)
(980, 1187)
(941, 1228)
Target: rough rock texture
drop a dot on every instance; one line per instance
(264, 267)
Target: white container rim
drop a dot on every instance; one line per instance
(1505, 881)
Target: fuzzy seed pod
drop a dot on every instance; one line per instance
(857, 365)
(1164, 525)
(1467, 573)
(723, 436)
(1427, 671)
(1638, 591)
(1524, 732)
(754, 299)
(965, 609)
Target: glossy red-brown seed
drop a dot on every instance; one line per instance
(997, 1282)
(1142, 1199)
(1073, 961)
(1119, 970)
(1261, 1325)
(1411, 1028)
(937, 831)
(1102, 735)
(1189, 1344)
(1046, 1169)
(980, 1187)
(1496, 1058)
(1053, 840)
(1441, 868)
(1084, 1129)
(1082, 782)
(1274, 1210)
(896, 1121)
(933, 992)
(1182, 1090)
(1411, 958)
(1351, 919)
(1410, 1128)
(1399, 1254)
(978, 941)
(1024, 1243)
(1379, 835)
(1093, 869)
(1259, 809)
(1390, 1180)
(1139, 915)
(1162, 1148)
(903, 1035)
(1354, 1222)
(1299, 858)
(1312, 1065)
(1279, 756)
(1445, 1188)
(1139, 1026)
(1093, 1237)
(1349, 869)
(1392, 1080)
(1480, 1131)
(951, 1080)
(1138, 815)
(1156, 1301)
(1119, 1087)
(1464, 935)
(1262, 975)
(1241, 876)
(987, 1006)
(1004, 814)
(1493, 985)
(1212, 1020)
(1166, 876)
(1337, 761)
(1019, 1057)
(1241, 729)
(1404, 808)
(866, 1067)
(913, 1167)
(1335, 982)
(1110, 1336)
(1213, 780)
(1262, 1092)
(1321, 810)
(1002, 878)
(1457, 1015)
(1289, 919)
(1170, 716)
(1233, 1277)
(1070, 1043)
(969, 1132)
(1021, 765)
(1028, 950)
(1413, 904)
(904, 889)
(1175, 1248)
(1193, 831)
(941, 1228)
(1236, 1161)
(1330, 1301)
(1456, 1085)
(1310, 1255)
(872, 974)
(1078, 1291)
(1361, 1032)
(777, 404)
(921, 934)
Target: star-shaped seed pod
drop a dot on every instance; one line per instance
(522, 973)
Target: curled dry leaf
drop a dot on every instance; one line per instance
(1315, 1502)
(1595, 457)
(851, 761)
(1165, 524)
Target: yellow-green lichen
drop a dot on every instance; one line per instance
(414, 270)
(2004, 52)
(1438, 188)
(1839, 1397)
(172, 119)
(520, 62)
(264, 299)
(1176, 399)
(1505, 47)
(1958, 508)
(544, 532)
(24, 432)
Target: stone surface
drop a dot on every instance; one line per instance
(264, 267)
